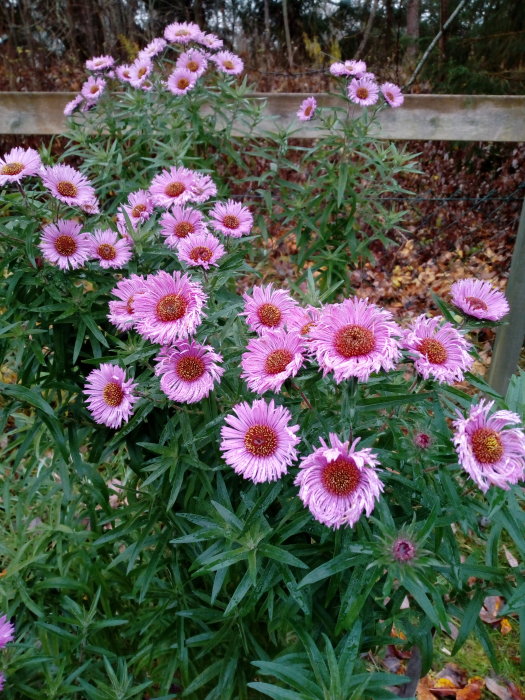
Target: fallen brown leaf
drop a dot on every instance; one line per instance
(491, 606)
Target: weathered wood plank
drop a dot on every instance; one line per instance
(422, 117)
(509, 338)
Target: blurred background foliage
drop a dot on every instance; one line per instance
(45, 44)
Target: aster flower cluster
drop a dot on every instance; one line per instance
(195, 52)
(363, 88)
(7, 634)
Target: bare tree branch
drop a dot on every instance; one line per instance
(433, 43)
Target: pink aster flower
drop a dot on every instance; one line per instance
(90, 206)
(67, 184)
(203, 188)
(489, 449)
(172, 186)
(99, 62)
(354, 339)
(200, 250)
(193, 61)
(110, 395)
(73, 105)
(303, 320)
(109, 250)
(139, 71)
(363, 91)
(7, 631)
(169, 308)
(439, 350)
(337, 482)
(268, 308)
(210, 41)
(271, 359)
(188, 371)
(179, 223)
(92, 89)
(62, 244)
(124, 73)
(121, 312)
(258, 441)
(355, 68)
(307, 109)
(181, 81)
(479, 299)
(231, 218)
(392, 94)
(139, 207)
(228, 62)
(19, 163)
(154, 47)
(181, 32)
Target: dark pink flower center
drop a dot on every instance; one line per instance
(308, 110)
(389, 96)
(261, 440)
(486, 445)
(476, 303)
(354, 341)
(362, 93)
(65, 245)
(183, 229)
(106, 251)
(341, 476)
(171, 307)
(422, 440)
(113, 394)
(190, 368)
(201, 252)
(269, 315)
(137, 210)
(12, 168)
(231, 221)
(129, 307)
(175, 189)
(403, 550)
(67, 189)
(433, 350)
(277, 361)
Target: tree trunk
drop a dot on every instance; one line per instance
(368, 29)
(389, 15)
(443, 16)
(287, 34)
(413, 10)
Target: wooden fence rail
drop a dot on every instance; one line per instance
(422, 117)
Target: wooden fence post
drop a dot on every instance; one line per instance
(509, 338)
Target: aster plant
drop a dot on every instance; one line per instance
(217, 485)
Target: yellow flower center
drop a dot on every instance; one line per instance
(277, 361)
(113, 394)
(65, 245)
(269, 315)
(354, 341)
(486, 445)
(190, 368)
(172, 307)
(261, 440)
(341, 476)
(433, 350)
